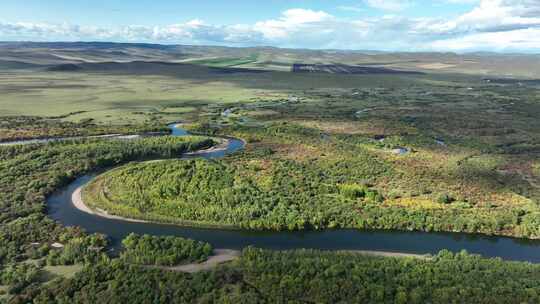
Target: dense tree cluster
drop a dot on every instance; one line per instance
(163, 250)
(304, 276)
(348, 161)
(213, 193)
(29, 173)
(325, 277)
(18, 276)
(285, 195)
(86, 249)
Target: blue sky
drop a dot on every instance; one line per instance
(397, 25)
(164, 12)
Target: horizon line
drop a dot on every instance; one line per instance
(365, 51)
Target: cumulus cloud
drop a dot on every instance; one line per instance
(518, 40)
(496, 16)
(492, 24)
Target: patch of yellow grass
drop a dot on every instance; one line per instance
(339, 127)
(536, 168)
(414, 202)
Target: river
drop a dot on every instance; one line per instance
(60, 208)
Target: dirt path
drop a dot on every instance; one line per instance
(220, 256)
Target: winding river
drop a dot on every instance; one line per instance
(60, 208)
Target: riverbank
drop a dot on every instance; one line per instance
(222, 256)
(62, 209)
(77, 201)
(222, 145)
(219, 257)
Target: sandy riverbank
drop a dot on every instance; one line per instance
(220, 256)
(76, 200)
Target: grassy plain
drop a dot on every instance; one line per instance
(135, 92)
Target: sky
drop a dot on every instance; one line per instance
(386, 25)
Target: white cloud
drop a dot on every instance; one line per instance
(502, 25)
(291, 22)
(492, 24)
(389, 5)
(518, 40)
(355, 9)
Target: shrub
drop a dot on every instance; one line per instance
(352, 191)
(374, 196)
(445, 199)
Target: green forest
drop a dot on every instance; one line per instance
(163, 250)
(301, 276)
(261, 189)
(28, 175)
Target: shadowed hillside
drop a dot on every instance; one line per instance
(266, 58)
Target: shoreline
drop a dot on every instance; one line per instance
(78, 203)
(219, 257)
(223, 144)
(223, 255)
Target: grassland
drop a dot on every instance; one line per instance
(120, 99)
(64, 271)
(129, 93)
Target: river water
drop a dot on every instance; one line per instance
(61, 209)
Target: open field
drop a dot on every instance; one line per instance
(127, 93)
